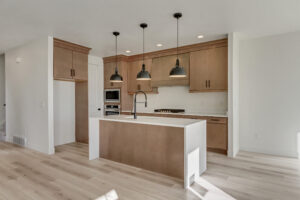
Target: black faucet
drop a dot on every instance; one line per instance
(134, 108)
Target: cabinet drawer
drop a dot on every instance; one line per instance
(221, 120)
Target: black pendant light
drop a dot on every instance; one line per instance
(143, 74)
(177, 71)
(116, 77)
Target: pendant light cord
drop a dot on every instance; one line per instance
(143, 45)
(116, 70)
(177, 37)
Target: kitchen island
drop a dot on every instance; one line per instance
(172, 146)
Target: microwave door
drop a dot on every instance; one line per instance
(112, 96)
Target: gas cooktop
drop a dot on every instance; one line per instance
(167, 110)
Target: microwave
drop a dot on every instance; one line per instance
(112, 95)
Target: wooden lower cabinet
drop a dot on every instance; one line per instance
(151, 147)
(216, 129)
(81, 112)
(217, 137)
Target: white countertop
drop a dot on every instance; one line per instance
(160, 121)
(185, 113)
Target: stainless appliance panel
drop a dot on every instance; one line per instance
(112, 95)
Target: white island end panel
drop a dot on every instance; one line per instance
(93, 138)
(195, 140)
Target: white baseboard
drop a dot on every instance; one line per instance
(273, 152)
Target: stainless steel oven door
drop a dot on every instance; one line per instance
(108, 112)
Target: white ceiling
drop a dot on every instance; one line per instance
(91, 22)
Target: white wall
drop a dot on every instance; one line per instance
(270, 94)
(95, 85)
(179, 97)
(64, 112)
(29, 94)
(233, 94)
(2, 92)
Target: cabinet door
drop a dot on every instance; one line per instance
(133, 69)
(109, 69)
(199, 70)
(62, 63)
(217, 136)
(80, 66)
(218, 68)
(81, 112)
(162, 66)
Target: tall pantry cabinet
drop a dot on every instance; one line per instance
(70, 63)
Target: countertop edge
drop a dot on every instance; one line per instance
(183, 114)
(148, 123)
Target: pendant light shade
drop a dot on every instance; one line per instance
(177, 71)
(143, 75)
(116, 77)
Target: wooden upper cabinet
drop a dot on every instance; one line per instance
(70, 61)
(218, 62)
(109, 69)
(133, 69)
(198, 70)
(62, 63)
(161, 67)
(208, 70)
(80, 66)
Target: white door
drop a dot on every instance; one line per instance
(95, 86)
(2, 96)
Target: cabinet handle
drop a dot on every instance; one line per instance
(206, 83)
(215, 120)
(71, 71)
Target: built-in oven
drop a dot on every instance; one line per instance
(111, 109)
(112, 96)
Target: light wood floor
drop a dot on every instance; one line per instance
(26, 174)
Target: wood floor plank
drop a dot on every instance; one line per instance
(27, 174)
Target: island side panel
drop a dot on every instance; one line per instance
(195, 142)
(151, 147)
(93, 138)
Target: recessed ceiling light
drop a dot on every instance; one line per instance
(128, 51)
(159, 45)
(200, 36)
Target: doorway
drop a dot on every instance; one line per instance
(2, 98)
